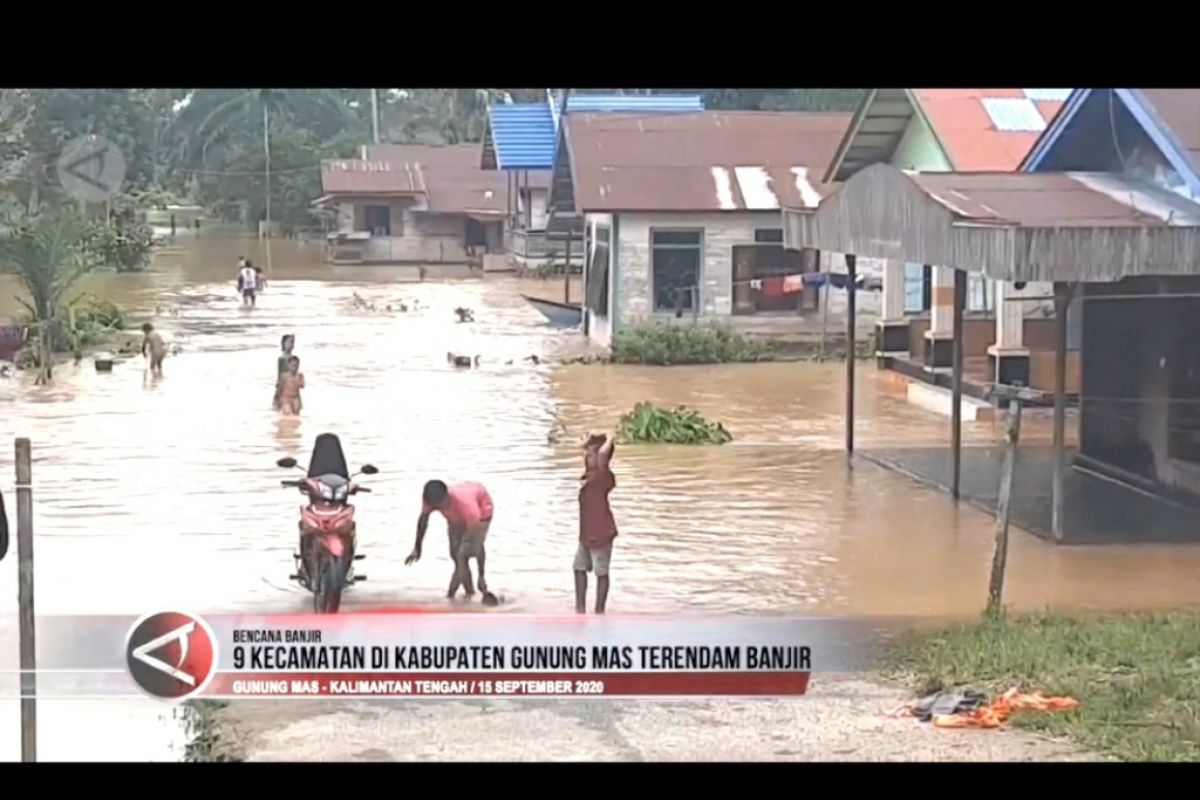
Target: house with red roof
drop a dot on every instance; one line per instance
(955, 130)
(421, 204)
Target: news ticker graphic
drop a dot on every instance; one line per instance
(176, 656)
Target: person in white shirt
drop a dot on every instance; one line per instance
(248, 283)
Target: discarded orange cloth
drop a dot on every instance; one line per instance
(999, 710)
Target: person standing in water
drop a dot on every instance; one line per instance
(283, 365)
(597, 528)
(248, 283)
(289, 388)
(154, 347)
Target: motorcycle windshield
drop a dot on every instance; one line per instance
(328, 458)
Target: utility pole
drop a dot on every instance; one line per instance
(267, 155)
(375, 115)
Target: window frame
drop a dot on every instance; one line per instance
(699, 247)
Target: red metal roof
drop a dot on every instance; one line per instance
(705, 161)
(968, 134)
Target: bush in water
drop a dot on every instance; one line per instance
(685, 344)
(682, 425)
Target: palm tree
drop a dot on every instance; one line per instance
(49, 254)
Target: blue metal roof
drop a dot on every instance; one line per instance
(653, 103)
(523, 134)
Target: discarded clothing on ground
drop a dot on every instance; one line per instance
(967, 708)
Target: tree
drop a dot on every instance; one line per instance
(49, 253)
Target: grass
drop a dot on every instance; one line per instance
(649, 423)
(205, 742)
(1136, 675)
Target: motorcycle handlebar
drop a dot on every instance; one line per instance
(363, 489)
(290, 484)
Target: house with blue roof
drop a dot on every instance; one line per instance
(1139, 361)
(521, 140)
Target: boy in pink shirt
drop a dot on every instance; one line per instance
(467, 507)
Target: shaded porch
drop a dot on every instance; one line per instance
(1072, 231)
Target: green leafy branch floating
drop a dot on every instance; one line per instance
(682, 425)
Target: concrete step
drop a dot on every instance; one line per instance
(941, 401)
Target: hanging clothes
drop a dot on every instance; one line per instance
(793, 283)
(772, 287)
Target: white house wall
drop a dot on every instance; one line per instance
(600, 328)
(721, 232)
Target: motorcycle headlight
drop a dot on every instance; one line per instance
(342, 493)
(326, 492)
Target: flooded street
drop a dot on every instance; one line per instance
(155, 494)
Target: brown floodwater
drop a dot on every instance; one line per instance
(152, 494)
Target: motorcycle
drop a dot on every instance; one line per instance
(325, 562)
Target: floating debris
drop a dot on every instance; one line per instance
(465, 314)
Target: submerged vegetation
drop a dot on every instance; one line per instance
(682, 425)
(1136, 675)
(686, 344)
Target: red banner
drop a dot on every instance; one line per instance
(510, 684)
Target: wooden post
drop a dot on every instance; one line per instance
(1062, 302)
(851, 304)
(823, 297)
(1000, 557)
(567, 273)
(960, 301)
(28, 643)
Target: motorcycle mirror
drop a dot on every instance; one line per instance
(287, 462)
(369, 469)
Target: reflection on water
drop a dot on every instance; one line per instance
(162, 493)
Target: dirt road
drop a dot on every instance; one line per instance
(841, 720)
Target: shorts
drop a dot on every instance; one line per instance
(593, 559)
(248, 293)
(465, 545)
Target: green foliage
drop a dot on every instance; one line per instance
(91, 322)
(685, 344)
(123, 245)
(1136, 675)
(649, 423)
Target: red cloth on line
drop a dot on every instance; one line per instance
(772, 287)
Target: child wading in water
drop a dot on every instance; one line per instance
(283, 365)
(289, 388)
(597, 528)
(154, 347)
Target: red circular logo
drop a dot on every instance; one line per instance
(171, 655)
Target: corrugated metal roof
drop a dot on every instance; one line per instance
(1009, 226)
(449, 177)
(1057, 95)
(1179, 109)
(371, 177)
(972, 139)
(523, 135)
(1014, 114)
(1056, 199)
(705, 161)
(653, 103)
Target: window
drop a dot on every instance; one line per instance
(379, 220)
(768, 236)
(675, 266)
(981, 295)
(914, 288)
